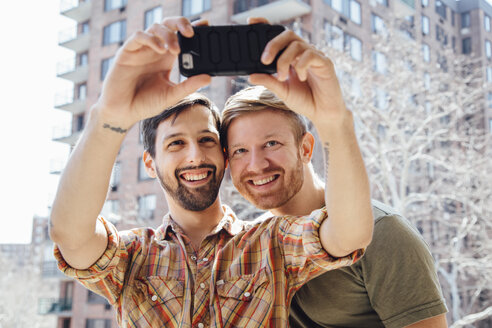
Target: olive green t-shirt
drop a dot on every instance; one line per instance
(394, 285)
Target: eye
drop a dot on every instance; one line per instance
(207, 139)
(271, 143)
(175, 143)
(238, 151)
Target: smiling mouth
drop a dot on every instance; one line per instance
(264, 181)
(194, 177)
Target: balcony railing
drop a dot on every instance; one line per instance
(56, 167)
(273, 10)
(76, 9)
(68, 70)
(78, 42)
(66, 101)
(65, 135)
(54, 305)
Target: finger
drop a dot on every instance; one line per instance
(289, 56)
(168, 38)
(257, 20)
(269, 82)
(277, 44)
(309, 58)
(201, 22)
(181, 24)
(140, 39)
(190, 85)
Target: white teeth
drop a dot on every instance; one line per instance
(194, 177)
(263, 181)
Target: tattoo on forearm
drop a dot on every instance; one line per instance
(114, 128)
(326, 148)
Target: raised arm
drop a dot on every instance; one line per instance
(307, 83)
(137, 87)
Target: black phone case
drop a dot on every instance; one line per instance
(227, 50)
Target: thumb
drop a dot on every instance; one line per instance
(189, 86)
(271, 83)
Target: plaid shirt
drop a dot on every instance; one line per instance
(243, 275)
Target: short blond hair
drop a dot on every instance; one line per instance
(253, 99)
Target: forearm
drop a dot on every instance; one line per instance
(347, 190)
(84, 183)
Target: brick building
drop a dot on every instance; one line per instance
(102, 26)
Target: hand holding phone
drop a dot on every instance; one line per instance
(227, 50)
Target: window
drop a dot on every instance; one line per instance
(489, 74)
(146, 206)
(94, 298)
(425, 3)
(441, 35)
(113, 4)
(426, 52)
(195, 7)
(379, 62)
(111, 210)
(84, 28)
(66, 323)
(441, 8)
(467, 47)
(348, 8)
(442, 61)
(383, 2)
(489, 99)
(79, 122)
(486, 23)
(380, 99)
(98, 323)
(82, 91)
(105, 65)
(453, 43)
(465, 20)
(425, 25)
(114, 32)
(377, 24)
(142, 174)
(452, 17)
(427, 81)
(490, 124)
(488, 49)
(83, 59)
(152, 16)
(355, 48)
(334, 36)
(115, 177)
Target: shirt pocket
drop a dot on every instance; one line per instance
(245, 300)
(157, 300)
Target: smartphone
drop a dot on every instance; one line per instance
(227, 50)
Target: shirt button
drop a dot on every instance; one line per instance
(202, 285)
(247, 294)
(154, 298)
(193, 257)
(201, 325)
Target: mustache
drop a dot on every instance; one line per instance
(251, 176)
(201, 166)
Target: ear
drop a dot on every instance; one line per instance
(149, 164)
(306, 147)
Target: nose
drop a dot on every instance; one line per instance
(195, 154)
(257, 161)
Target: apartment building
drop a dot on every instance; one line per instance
(101, 27)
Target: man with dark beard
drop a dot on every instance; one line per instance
(202, 266)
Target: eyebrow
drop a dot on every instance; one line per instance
(180, 134)
(270, 135)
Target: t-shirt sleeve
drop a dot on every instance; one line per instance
(400, 275)
(305, 257)
(105, 277)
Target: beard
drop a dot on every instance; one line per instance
(280, 196)
(193, 199)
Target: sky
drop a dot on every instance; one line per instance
(29, 53)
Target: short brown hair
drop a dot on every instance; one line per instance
(149, 126)
(253, 99)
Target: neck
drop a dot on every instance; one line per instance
(310, 197)
(196, 224)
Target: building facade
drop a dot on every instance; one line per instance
(101, 27)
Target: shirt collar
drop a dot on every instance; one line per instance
(229, 223)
